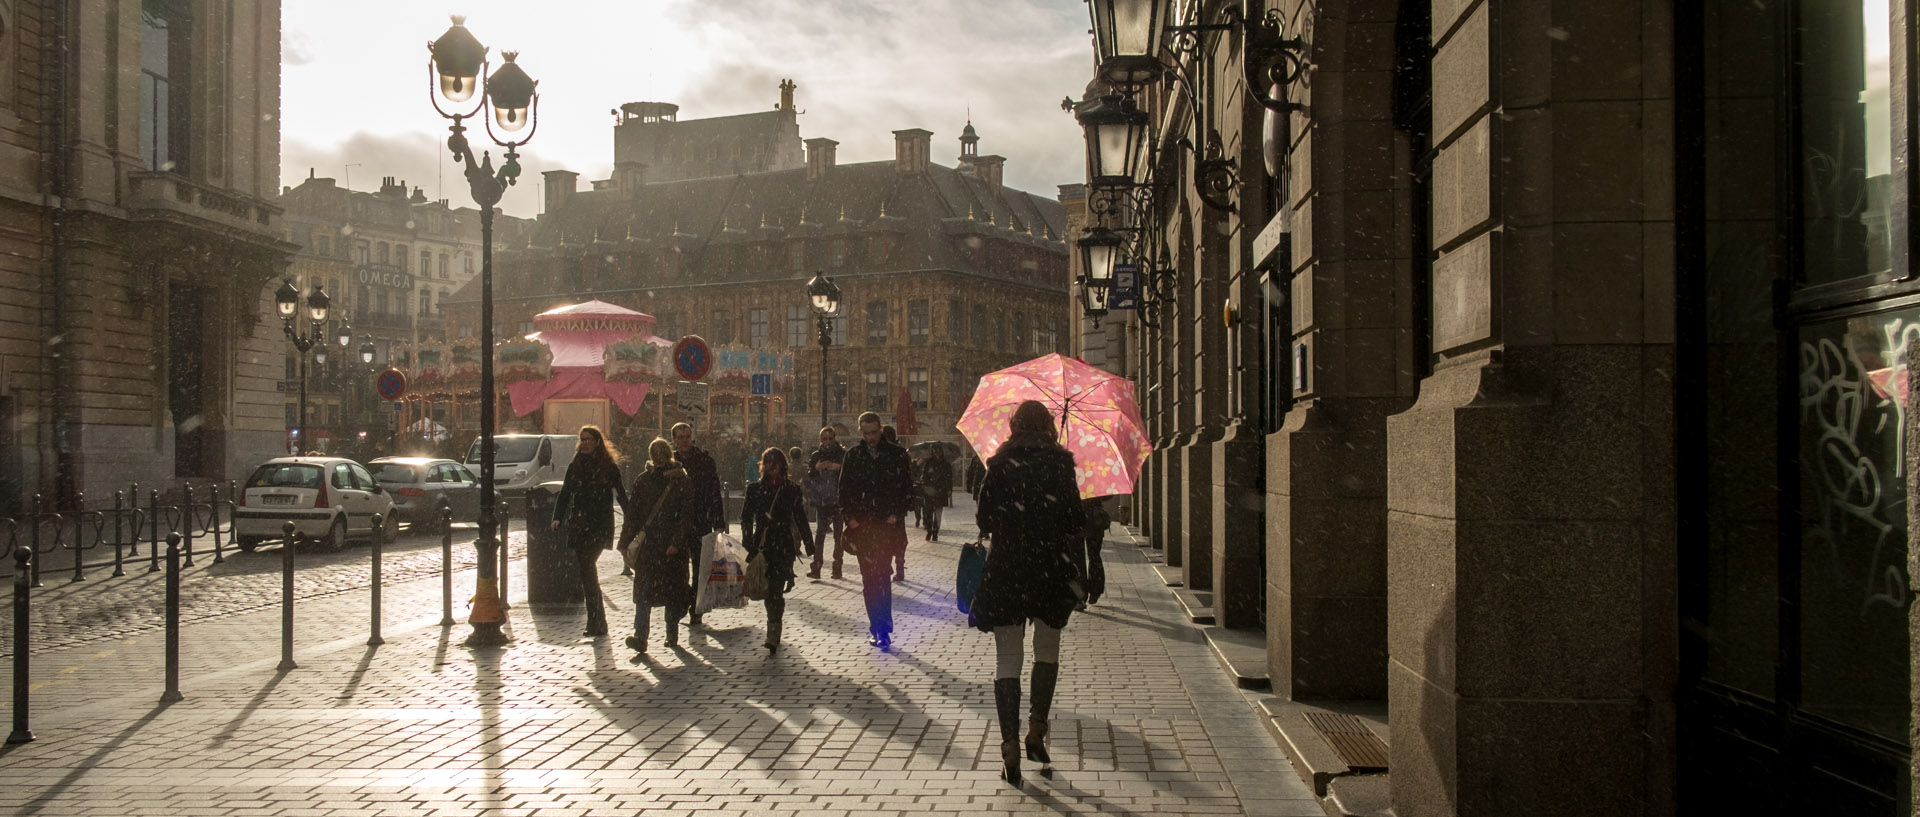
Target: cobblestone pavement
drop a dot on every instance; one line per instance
(1144, 722)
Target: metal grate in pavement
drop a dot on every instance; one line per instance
(1350, 739)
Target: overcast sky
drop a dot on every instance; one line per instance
(355, 80)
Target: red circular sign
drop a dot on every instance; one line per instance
(691, 358)
(391, 384)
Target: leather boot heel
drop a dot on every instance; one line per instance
(1010, 762)
(1037, 742)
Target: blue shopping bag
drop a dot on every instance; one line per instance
(973, 565)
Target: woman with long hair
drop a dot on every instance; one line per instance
(585, 510)
(1030, 509)
(655, 533)
(773, 524)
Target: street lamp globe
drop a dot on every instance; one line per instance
(317, 305)
(824, 294)
(1116, 133)
(1127, 38)
(1099, 251)
(343, 335)
(286, 299)
(457, 57)
(511, 91)
(366, 350)
(320, 354)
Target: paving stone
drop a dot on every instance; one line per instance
(555, 724)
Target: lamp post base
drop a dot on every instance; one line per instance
(21, 736)
(486, 634)
(488, 616)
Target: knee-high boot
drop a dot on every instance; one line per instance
(1045, 675)
(1006, 700)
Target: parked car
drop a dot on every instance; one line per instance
(521, 461)
(422, 486)
(331, 499)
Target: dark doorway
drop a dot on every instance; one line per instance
(186, 379)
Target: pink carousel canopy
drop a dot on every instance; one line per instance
(579, 334)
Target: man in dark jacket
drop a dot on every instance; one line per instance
(706, 510)
(976, 474)
(874, 497)
(823, 493)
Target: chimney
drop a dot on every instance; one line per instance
(819, 157)
(787, 87)
(987, 169)
(912, 150)
(560, 185)
(628, 178)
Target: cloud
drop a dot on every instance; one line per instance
(417, 159)
(295, 49)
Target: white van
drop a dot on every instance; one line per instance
(521, 461)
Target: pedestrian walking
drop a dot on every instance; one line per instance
(1086, 554)
(976, 473)
(897, 545)
(655, 534)
(823, 494)
(705, 504)
(585, 510)
(773, 524)
(936, 490)
(874, 496)
(1030, 508)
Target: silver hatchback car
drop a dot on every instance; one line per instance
(421, 486)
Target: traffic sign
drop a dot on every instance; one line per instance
(391, 384)
(691, 358)
(762, 384)
(691, 398)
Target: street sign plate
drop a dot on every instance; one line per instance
(691, 399)
(391, 384)
(691, 358)
(762, 384)
(1125, 293)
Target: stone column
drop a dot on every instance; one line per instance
(1531, 558)
(1239, 503)
(1351, 318)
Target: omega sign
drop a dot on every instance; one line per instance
(383, 276)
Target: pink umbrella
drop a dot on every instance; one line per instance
(1099, 418)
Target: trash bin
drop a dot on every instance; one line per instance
(551, 576)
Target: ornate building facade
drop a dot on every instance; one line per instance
(139, 153)
(945, 273)
(1531, 382)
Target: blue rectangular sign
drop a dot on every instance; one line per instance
(1126, 287)
(763, 384)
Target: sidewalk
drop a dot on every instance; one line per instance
(1144, 721)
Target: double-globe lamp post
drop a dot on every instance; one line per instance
(458, 65)
(287, 301)
(826, 303)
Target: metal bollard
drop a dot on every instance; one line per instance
(379, 533)
(187, 520)
(133, 504)
(506, 537)
(153, 531)
(79, 534)
(34, 540)
(286, 598)
(22, 554)
(446, 567)
(173, 620)
(213, 519)
(119, 556)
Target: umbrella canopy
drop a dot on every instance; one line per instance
(1095, 410)
(580, 333)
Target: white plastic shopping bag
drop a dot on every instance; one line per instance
(726, 580)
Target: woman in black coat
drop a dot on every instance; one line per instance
(585, 510)
(773, 516)
(660, 508)
(1030, 508)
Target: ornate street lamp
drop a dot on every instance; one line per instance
(1099, 252)
(825, 297)
(1127, 38)
(286, 301)
(458, 63)
(366, 350)
(1116, 140)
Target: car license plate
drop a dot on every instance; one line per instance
(277, 499)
